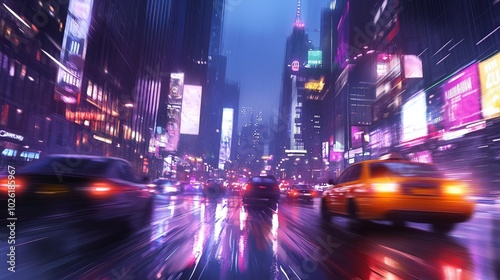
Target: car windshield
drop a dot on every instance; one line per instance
(69, 166)
(263, 180)
(405, 169)
(302, 187)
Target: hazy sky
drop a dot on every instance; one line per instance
(254, 41)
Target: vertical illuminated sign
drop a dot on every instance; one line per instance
(174, 108)
(191, 106)
(226, 136)
(490, 86)
(324, 150)
(74, 48)
(414, 118)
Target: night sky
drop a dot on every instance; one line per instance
(254, 40)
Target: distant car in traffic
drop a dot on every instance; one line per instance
(284, 186)
(398, 190)
(168, 186)
(301, 191)
(214, 187)
(193, 187)
(261, 187)
(84, 188)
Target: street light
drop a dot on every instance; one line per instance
(129, 105)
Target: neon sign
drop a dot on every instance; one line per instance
(7, 134)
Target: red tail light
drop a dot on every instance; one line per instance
(246, 187)
(12, 185)
(102, 188)
(294, 193)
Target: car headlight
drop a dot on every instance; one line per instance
(385, 187)
(455, 189)
(170, 189)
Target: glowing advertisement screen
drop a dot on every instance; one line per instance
(380, 138)
(226, 136)
(74, 48)
(461, 98)
(191, 106)
(314, 58)
(412, 66)
(423, 156)
(490, 86)
(356, 136)
(414, 118)
(324, 150)
(174, 108)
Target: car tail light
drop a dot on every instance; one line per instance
(102, 188)
(246, 187)
(295, 193)
(7, 184)
(385, 187)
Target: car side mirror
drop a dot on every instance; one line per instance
(331, 182)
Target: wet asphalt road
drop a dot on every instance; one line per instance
(193, 238)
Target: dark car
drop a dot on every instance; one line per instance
(168, 186)
(261, 187)
(79, 188)
(301, 192)
(213, 187)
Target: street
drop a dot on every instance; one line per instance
(193, 238)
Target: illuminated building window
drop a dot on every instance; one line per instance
(94, 92)
(23, 72)
(12, 71)
(89, 89)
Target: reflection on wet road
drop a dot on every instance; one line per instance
(193, 238)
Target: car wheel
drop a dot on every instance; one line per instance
(352, 210)
(326, 215)
(443, 228)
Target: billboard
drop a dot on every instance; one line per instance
(73, 51)
(423, 156)
(412, 66)
(226, 136)
(357, 137)
(461, 98)
(414, 117)
(314, 58)
(174, 108)
(191, 106)
(489, 71)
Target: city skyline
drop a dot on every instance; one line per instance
(259, 45)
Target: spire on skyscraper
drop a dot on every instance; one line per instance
(298, 21)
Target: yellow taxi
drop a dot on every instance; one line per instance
(395, 189)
